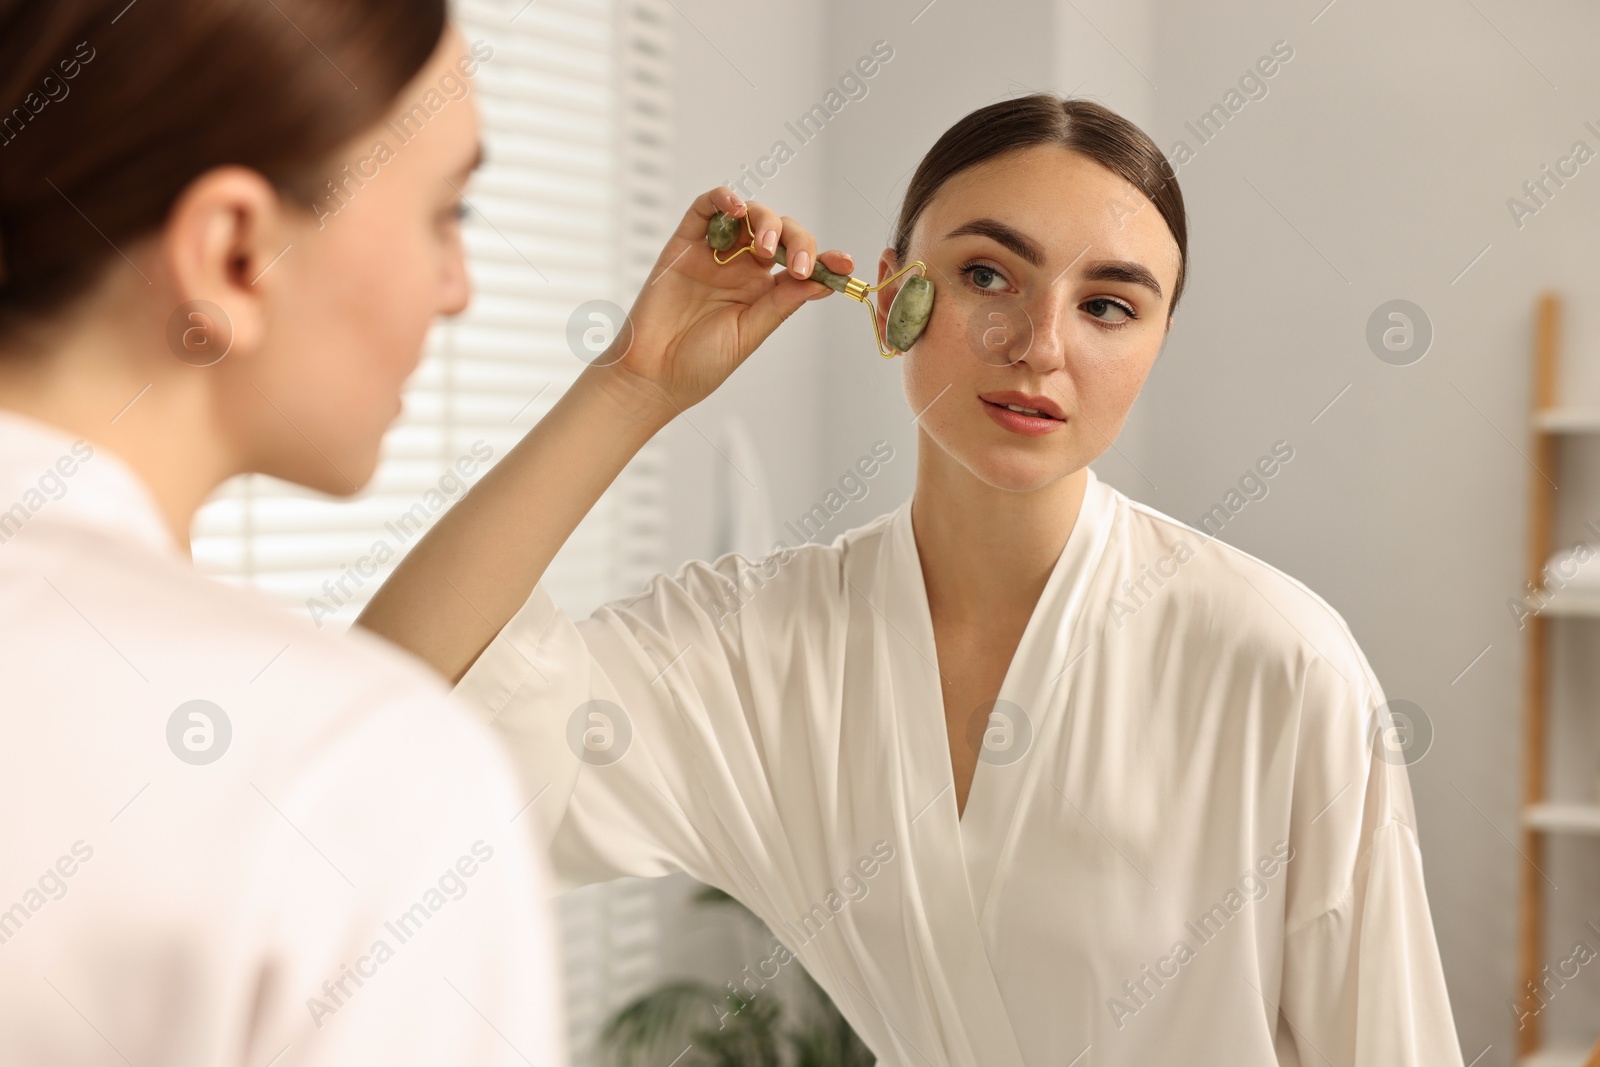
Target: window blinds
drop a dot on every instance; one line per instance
(570, 207)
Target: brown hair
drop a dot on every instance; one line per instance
(108, 110)
(1044, 118)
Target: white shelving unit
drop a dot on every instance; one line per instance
(1563, 817)
(1542, 816)
(1567, 420)
(1572, 603)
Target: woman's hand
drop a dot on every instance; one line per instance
(693, 323)
(696, 319)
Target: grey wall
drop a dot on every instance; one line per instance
(1377, 166)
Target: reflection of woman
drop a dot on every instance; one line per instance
(225, 837)
(1019, 770)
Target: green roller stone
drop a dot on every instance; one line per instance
(909, 314)
(723, 231)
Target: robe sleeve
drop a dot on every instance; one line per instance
(629, 728)
(1362, 982)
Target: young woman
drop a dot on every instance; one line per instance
(1023, 771)
(228, 838)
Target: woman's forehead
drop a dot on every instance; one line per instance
(1054, 199)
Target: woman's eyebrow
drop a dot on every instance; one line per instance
(1122, 270)
(1105, 270)
(999, 232)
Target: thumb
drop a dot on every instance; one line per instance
(782, 300)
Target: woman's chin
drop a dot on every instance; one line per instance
(338, 472)
(1017, 474)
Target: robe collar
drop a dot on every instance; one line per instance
(957, 859)
(102, 492)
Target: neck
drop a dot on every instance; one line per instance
(152, 412)
(987, 552)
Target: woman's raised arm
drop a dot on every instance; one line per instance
(691, 326)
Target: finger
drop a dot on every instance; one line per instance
(767, 226)
(837, 261)
(768, 312)
(698, 218)
(801, 245)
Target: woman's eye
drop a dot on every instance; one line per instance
(1101, 303)
(981, 275)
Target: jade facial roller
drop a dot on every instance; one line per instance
(908, 313)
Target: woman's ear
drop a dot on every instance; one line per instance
(888, 263)
(222, 238)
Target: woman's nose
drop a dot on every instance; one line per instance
(1048, 316)
(457, 284)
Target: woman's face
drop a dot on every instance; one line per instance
(1053, 277)
(350, 302)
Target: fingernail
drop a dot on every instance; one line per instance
(802, 264)
(769, 241)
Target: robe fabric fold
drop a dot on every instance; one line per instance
(1186, 839)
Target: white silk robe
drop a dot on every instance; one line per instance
(229, 839)
(1185, 842)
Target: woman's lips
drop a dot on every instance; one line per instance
(1017, 422)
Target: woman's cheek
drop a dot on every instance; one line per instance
(944, 355)
(930, 391)
(1115, 385)
(407, 306)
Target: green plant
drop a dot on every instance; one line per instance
(681, 1018)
